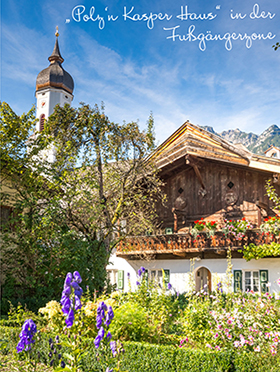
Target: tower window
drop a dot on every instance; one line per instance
(41, 122)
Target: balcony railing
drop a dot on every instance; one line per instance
(187, 245)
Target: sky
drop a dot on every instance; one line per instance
(209, 62)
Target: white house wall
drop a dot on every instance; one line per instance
(117, 263)
(180, 270)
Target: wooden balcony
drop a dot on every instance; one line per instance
(187, 246)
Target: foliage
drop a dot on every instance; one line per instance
(107, 350)
(201, 225)
(229, 275)
(271, 225)
(218, 332)
(131, 323)
(161, 310)
(163, 358)
(233, 322)
(54, 316)
(70, 213)
(211, 225)
(14, 133)
(18, 315)
(236, 228)
(272, 195)
(252, 251)
(147, 357)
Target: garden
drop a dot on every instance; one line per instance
(152, 329)
(55, 245)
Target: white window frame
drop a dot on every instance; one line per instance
(112, 275)
(156, 275)
(253, 286)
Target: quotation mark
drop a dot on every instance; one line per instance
(67, 20)
(218, 7)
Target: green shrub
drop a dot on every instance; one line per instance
(9, 338)
(130, 323)
(157, 358)
(248, 362)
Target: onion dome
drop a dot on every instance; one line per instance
(55, 76)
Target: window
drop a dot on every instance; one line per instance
(112, 276)
(116, 277)
(251, 280)
(42, 122)
(157, 275)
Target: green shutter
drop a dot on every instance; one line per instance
(237, 275)
(120, 279)
(264, 280)
(166, 276)
(146, 276)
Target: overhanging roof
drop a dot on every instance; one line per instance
(192, 140)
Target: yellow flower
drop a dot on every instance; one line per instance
(90, 309)
(52, 309)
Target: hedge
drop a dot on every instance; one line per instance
(160, 358)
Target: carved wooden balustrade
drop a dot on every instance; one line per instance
(186, 245)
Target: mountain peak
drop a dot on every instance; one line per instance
(257, 144)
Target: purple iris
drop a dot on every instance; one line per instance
(97, 341)
(113, 346)
(70, 318)
(77, 277)
(169, 286)
(141, 271)
(98, 321)
(103, 312)
(110, 312)
(107, 320)
(219, 287)
(26, 336)
(109, 316)
(71, 297)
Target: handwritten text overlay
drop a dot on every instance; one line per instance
(185, 16)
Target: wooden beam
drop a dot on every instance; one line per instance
(194, 162)
(180, 254)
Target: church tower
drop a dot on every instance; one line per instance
(54, 86)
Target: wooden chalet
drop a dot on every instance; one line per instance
(205, 177)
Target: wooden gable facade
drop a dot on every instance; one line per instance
(205, 177)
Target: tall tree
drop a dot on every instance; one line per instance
(70, 213)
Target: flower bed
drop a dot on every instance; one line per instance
(198, 331)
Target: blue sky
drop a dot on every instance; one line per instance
(136, 65)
